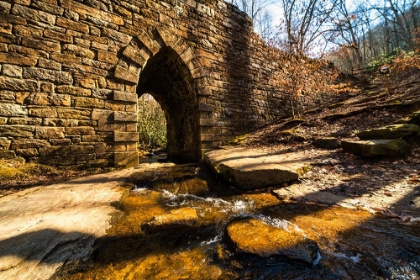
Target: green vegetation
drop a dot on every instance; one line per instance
(151, 123)
(13, 170)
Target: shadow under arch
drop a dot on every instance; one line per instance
(166, 77)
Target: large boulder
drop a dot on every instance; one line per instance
(393, 131)
(254, 236)
(378, 147)
(250, 174)
(177, 219)
(253, 169)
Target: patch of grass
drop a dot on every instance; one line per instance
(17, 170)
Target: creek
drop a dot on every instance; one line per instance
(350, 244)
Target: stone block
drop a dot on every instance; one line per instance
(44, 6)
(5, 7)
(126, 136)
(7, 154)
(60, 142)
(49, 64)
(81, 130)
(5, 144)
(79, 51)
(102, 93)
(125, 96)
(76, 26)
(68, 58)
(100, 163)
(25, 153)
(37, 98)
(57, 160)
(60, 122)
(108, 57)
(12, 110)
(17, 84)
(49, 132)
(125, 117)
(148, 42)
(7, 95)
(58, 36)
(28, 143)
(125, 75)
(12, 71)
(44, 45)
(117, 36)
(66, 150)
(85, 158)
(17, 59)
(133, 53)
(57, 77)
(126, 160)
(25, 121)
(88, 102)
(43, 112)
(28, 31)
(76, 91)
(168, 36)
(70, 113)
(17, 131)
(33, 14)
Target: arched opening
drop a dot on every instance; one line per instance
(151, 125)
(169, 81)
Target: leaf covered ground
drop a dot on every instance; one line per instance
(389, 186)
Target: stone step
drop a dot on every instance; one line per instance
(377, 147)
(393, 131)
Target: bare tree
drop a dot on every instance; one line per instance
(252, 7)
(346, 26)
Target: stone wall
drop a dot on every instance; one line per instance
(71, 72)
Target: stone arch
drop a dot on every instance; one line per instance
(164, 65)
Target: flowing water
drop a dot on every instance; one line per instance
(350, 244)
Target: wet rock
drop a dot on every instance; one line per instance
(326, 143)
(177, 219)
(254, 236)
(372, 148)
(393, 131)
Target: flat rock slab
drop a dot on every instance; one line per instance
(393, 131)
(176, 219)
(43, 227)
(256, 168)
(254, 236)
(378, 147)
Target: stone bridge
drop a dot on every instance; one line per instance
(71, 72)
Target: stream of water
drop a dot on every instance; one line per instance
(350, 244)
